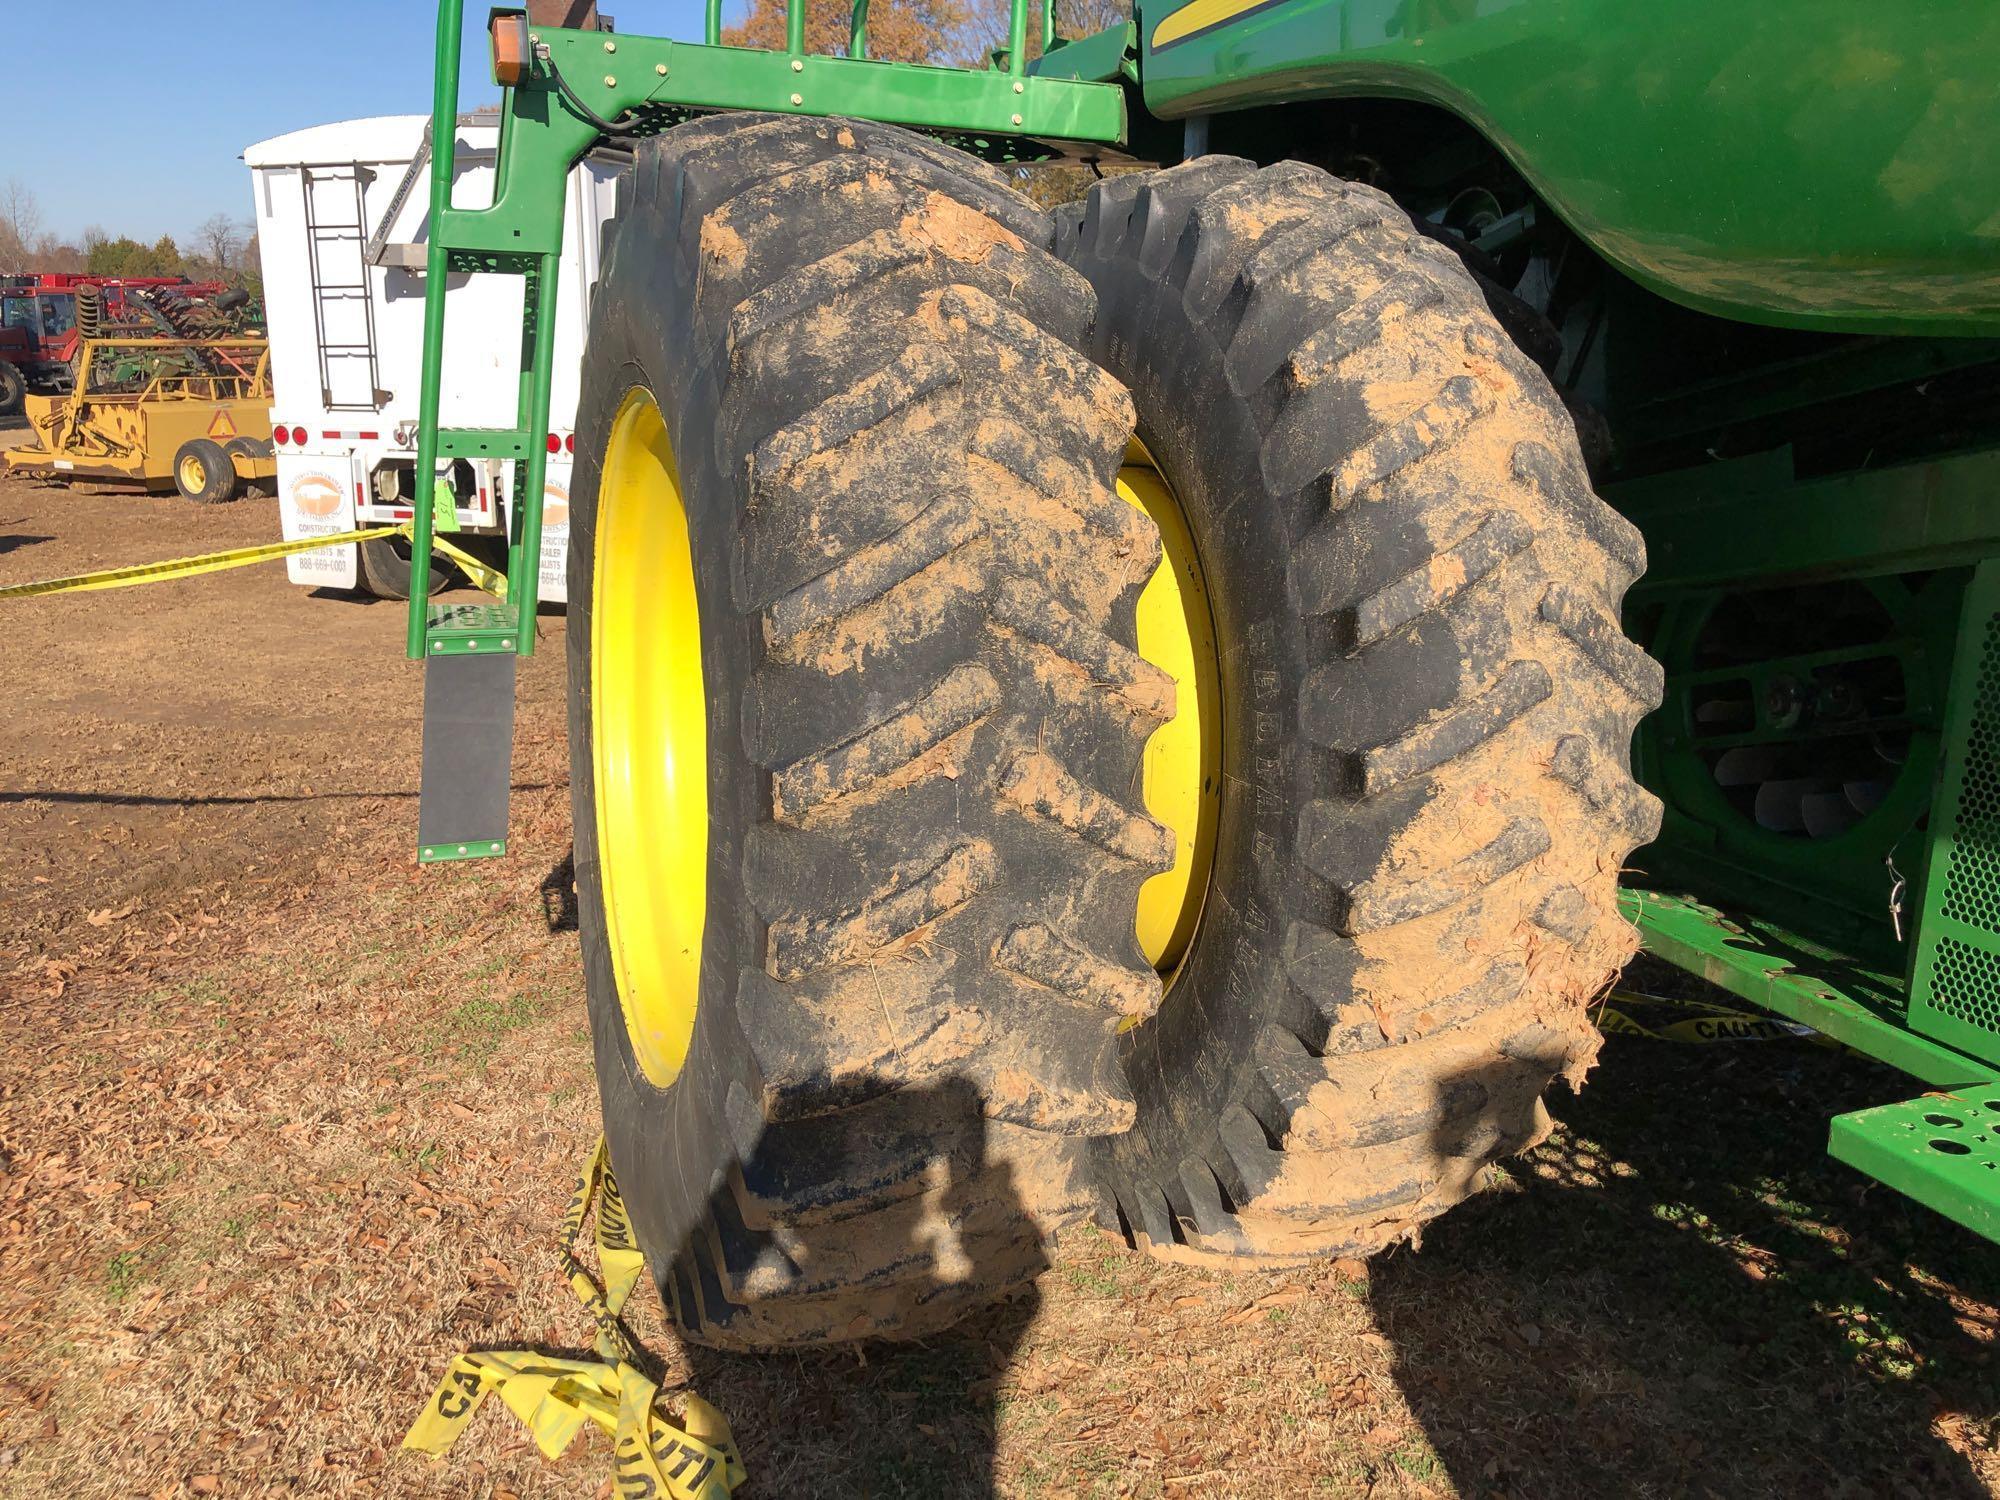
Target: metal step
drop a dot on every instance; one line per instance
(469, 667)
(1942, 1150)
(484, 442)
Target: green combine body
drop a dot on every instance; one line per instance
(1757, 256)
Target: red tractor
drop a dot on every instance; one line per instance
(38, 318)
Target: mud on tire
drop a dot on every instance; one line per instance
(1428, 707)
(916, 588)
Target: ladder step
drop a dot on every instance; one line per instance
(480, 629)
(468, 754)
(482, 442)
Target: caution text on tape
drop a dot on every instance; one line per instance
(555, 1396)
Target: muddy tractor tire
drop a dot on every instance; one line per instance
(857, 960)
(1426, 701)
(13, 389)
(203, 473)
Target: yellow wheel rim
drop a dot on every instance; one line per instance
(1183, 759)
(193, 476)
(649, 739)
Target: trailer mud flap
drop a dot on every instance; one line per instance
(316, 498)
(468, 755)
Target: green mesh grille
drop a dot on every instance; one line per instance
(1965, 982)
(1964, 973)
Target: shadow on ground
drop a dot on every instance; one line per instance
(876, 1418)
(1679, 1293)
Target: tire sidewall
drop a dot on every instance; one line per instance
(1206, 448)
(670, 1146)
(218, 473)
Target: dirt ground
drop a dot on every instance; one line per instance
(286, 1122)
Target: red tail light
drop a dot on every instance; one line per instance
(298, 437)
(569, 443)
(555, 443)
(278, 436)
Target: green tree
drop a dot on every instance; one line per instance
(119, 257)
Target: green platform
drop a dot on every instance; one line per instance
(1942, 1150)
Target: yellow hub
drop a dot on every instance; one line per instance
(193, 476)
(649, 739)
(1183, 760)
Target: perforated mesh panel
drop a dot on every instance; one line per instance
(1965, 972)
(1966, 983)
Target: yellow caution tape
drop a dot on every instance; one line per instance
(483, 577)
(189, 567)
(554, 1396)
(1666, 1019)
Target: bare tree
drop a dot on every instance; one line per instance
(987, 28)
(932, 31)
(217, 239)
(20, 214)
(20, 224)
(898, 30)
(53, 253)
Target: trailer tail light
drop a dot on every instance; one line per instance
(278, 436)
(510, 50)
(569, 443)
(555, 443)
(298, 437)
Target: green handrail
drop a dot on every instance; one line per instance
(857, 30)
(542, 136)
(444, 146)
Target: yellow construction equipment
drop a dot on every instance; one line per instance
(193, 413)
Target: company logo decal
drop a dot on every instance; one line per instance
(316, 494)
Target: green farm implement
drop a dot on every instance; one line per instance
(1168, 711)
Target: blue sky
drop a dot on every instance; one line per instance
(104, 149)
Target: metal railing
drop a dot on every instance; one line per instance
(857, 30)
(521, 231)
(207, 385)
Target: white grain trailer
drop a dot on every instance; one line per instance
(342, 222)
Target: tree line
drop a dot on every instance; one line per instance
(220, 249)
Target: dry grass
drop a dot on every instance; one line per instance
(278, 1141)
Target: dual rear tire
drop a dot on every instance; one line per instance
(204, 472)
(873, 766)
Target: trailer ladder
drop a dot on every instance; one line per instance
(343, 311)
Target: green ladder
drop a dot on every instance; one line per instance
(470, 651)
(565, 90)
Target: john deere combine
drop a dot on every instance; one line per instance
(1132, 713)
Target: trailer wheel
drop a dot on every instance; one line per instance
(855, 724)
(13, 389)
(203, 472)
(1425, 707)
(385, 567)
